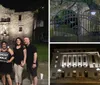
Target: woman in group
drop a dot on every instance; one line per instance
(20, 60)
(6, 67)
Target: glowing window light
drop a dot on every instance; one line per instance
(93, 13)
(62, 65)
(55, 66)
(74, 71)
(56, 61)
(59, 70)
(56, 56)
(57, 51)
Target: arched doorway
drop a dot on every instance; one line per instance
(85, 74)
(74, 74)
(63, 74)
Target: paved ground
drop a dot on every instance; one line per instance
(75, 80)
(77, 84)
(42, 69)
(27, 82)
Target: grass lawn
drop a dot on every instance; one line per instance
(42, 50)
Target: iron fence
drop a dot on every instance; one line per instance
(75, 21)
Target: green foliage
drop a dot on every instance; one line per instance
(42, 52)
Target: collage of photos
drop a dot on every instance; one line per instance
(49, 42)
(74, 42)
(23, 42)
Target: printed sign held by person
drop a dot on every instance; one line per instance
(3, 56)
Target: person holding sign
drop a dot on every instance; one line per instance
(20, 60)
(6, 66)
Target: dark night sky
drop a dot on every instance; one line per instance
(75, 46)
(61, 46)
(24, 5)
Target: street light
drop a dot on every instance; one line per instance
(93, 13)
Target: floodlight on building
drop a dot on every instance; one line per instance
(98, 69)
(74, 71)
(55, 66)
(59, 70)
(93, 13)
(42, 7)
(56, 61)
(62, 65)
(93, 63)
(57, 51)
(56, 56)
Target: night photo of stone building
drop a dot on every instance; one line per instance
(29, 19)
(75, 63)
(74, 20)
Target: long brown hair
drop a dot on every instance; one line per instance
(20, 40)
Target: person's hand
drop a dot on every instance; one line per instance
(8, 61)
(22, 63)
(34, 65)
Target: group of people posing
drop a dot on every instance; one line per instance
(22, 53)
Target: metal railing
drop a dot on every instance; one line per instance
(79, 22)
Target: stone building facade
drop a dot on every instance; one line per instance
(72, 63)
(15, 24)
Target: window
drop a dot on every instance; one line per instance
(65, 58)
(84, 58)
(93, 59)
(94, 65)
(5, 19)
(79, 59)
(20, 17)
(68, 74)
(74, 59)
(53, 74)
(95, 74)
(80, 74)
(69, 59)
(20, 29)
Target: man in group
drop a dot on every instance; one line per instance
(32, 60)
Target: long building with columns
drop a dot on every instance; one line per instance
(76, 62)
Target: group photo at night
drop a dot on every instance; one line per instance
(23, 42)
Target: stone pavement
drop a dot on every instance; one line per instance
(27, 82)
(74, 80)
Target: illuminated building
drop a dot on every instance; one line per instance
(75, 62)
